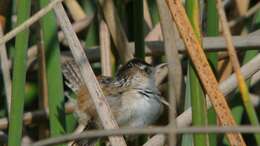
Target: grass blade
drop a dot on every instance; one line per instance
(187, 139)
(19, 76)
(92, 32)
(248, 56)
(198, 103)
(212, 30)
(54, 76)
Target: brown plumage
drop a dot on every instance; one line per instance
(132, 95)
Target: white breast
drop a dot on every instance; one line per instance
(138, 110)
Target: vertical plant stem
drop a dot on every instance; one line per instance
(116, 30)
(170, 35)
(139, 28)
(19, 76)
(212, 30)
(242, 6)
(198, 101)
(54, 76)
(236, 67)
(250, 55)
(75, 10)
(105, 49)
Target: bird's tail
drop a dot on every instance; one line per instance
(72, 74)
(74, 81)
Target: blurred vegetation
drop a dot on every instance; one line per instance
(140, 19)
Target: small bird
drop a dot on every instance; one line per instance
(132, 95)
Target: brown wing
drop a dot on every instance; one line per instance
(85, 102)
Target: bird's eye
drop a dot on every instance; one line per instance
(129, 65)
(146, 69)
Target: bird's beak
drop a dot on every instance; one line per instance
(161, 72)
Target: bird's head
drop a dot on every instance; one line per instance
(137, 73)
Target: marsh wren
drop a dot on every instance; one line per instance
(132, 94)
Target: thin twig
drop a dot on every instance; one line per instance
(248, 14)
(78, 25)
(134, 131)
(6, 71)
(254, 78)
(103, 109)
(230, 46)
(210, 44)
(29, 117)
